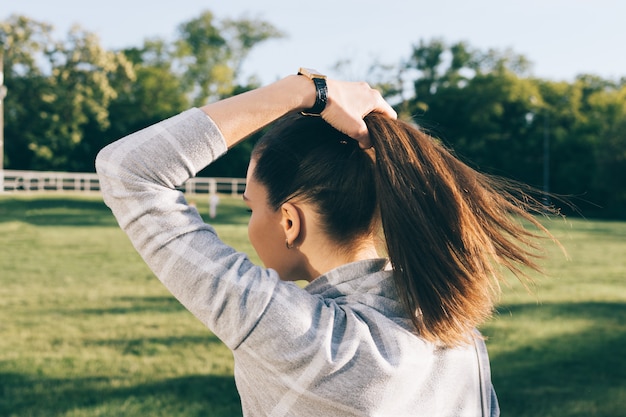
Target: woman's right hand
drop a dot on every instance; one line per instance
(349, 103)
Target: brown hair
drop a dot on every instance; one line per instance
(305, 157)
(448, 229)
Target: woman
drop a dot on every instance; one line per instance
(367, 335)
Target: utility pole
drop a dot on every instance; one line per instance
(3, 93)
(546, 160)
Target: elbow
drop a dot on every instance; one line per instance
(102, 159)
(105, 167)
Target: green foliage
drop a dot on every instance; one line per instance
(87, 330)
(50, 109)
(607, 116)
(23, 43)
(566, 138)
(210, 53)
(155, 92)
(68, 98)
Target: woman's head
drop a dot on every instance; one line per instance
(305, 159)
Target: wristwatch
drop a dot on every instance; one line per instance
(321, 91)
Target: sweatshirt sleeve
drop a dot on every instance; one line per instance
(138, 176)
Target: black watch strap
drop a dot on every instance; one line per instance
(321, 96)
(321, 91)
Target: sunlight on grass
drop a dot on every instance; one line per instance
(557, 351)
(86, 330)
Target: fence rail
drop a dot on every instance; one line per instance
(51, 181)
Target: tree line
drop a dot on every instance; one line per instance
(68, 98)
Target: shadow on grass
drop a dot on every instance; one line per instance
(575, 374)
(136, 305)
(56, 211)
(149, 346)
(214, 395)
(48, 210)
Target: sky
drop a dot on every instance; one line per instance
(562, 38)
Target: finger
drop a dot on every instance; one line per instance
(361, 135)
(384, 108)
(388, 111)
(365, 143)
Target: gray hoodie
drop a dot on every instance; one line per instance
(342, 346)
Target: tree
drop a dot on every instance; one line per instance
(24, 42)
(210, 53)
(566, 137)
(59, 88)
(564, 127)
(478, 104)
(81, 92)
(607, 118)
(153, 94)
(69, 98)
(202, 64)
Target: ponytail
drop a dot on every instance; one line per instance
(448, 230)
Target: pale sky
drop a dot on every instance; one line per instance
(562, 38)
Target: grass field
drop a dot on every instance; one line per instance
(86, 330)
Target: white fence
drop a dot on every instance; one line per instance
(50, 181)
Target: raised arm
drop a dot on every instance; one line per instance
(348, 102)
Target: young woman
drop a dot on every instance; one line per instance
(369, 335)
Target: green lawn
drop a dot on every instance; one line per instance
(86, 330)
(562, 351)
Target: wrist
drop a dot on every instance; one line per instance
(302, 92)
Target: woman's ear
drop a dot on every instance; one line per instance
(291, 222)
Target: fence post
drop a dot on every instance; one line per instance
(233, 187)
(3, 93)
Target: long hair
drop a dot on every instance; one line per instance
(448, 229)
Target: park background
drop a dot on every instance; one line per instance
(86, 329)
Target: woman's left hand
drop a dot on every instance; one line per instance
(348, 103)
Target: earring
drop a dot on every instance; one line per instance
(289, 246)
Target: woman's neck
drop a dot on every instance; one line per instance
(326, 257)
